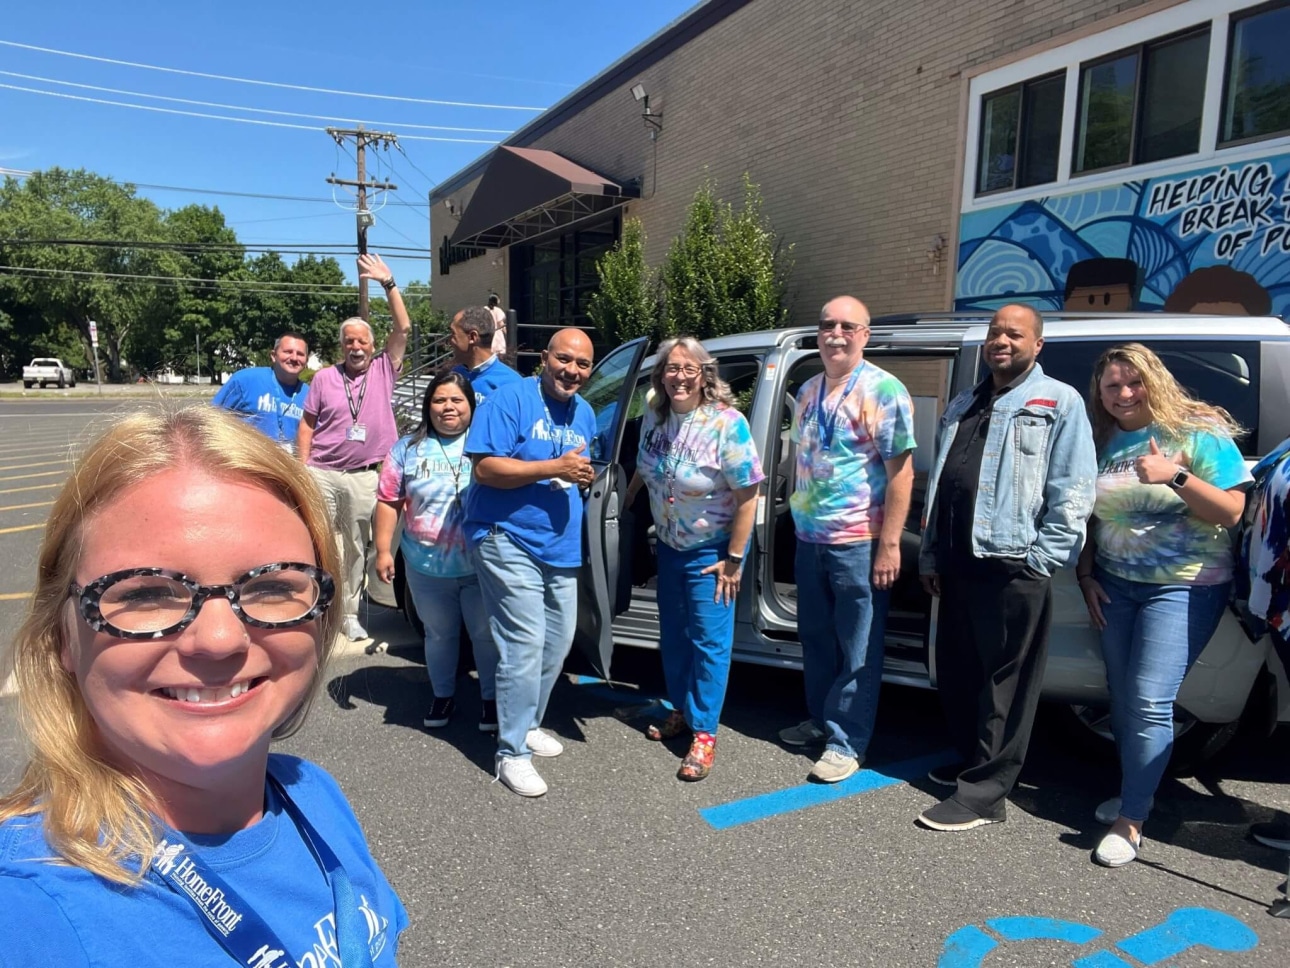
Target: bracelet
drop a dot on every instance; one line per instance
(388, 284)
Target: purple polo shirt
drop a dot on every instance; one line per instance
(329, 402)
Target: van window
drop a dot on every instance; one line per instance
(1224, 373)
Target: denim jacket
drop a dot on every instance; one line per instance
(1038, 476)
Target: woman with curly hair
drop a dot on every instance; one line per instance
(1157, 568)
(698, 461)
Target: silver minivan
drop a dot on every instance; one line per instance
(1240, 363)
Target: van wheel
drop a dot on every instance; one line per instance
(1195, 743)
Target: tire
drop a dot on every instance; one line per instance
(73, 383)
(1195, 743)
(62, 382)
(28, 384)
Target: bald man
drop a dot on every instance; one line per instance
(530, 443)
(854, 430)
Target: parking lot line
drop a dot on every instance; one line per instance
(14, 596)
(21, 507)
(24, 527)
(46, 463)
(23, 477)
(806, 795)
(34, 487)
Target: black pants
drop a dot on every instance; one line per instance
(991, 643)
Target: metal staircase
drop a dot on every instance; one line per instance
(426, 356)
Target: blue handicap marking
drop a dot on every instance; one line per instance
(1185, 928)
(967, 947)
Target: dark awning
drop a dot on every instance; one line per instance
(525, 192)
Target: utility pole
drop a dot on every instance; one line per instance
(363, 138)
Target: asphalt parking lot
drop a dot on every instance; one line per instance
(622, 865)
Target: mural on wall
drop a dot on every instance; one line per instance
(1215, 240)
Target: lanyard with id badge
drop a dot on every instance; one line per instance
(357, 432)
(822, 468)
(559, 435)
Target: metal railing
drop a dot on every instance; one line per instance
(426, 357)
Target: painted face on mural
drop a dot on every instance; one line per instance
(1112, 298)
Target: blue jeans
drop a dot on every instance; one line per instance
(841, 619)
(695, 634)
(1153, 635)
(442, 603)
(532, 608)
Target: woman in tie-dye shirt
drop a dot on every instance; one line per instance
(698, 462)
(424, 477)
(1157, 568)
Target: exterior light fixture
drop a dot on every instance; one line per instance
(653, 119)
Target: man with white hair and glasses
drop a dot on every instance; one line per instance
(349, 427)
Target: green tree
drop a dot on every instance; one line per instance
(626, 305)
(726, 272)
(75, 284)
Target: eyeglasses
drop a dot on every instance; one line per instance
(849, 329)
(687, 369)
(150, 603)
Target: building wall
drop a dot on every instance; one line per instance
(849, 117)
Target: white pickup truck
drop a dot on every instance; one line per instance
(46, 370)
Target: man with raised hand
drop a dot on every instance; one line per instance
(272, 397)
(348, 427)
(470, 334)
(1008, 500)
(529, 443)
(854, 430)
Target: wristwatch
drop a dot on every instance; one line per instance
(1179, 479)
(737, 559)
(388, 284)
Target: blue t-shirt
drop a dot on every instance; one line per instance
(56, 914)
(488, 376)
(545, 519)
(273, 409)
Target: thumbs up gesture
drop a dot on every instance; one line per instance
(1156, 468)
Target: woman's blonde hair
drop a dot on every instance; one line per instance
(712, 388)
(1175, 410)
(95, 815)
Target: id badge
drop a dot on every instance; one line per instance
(356, 432)
(822, 469)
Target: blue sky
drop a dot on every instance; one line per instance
(513, 53)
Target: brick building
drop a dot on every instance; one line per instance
(917, 154)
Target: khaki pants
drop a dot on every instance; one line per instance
(351, 500)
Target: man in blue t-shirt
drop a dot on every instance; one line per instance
(529, 443)
(271, 398)
(470, 334)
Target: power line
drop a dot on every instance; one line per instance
(289, 87)
(315, 248)
(219, 117)
(239, 107)
(284, 288)
(432, 182)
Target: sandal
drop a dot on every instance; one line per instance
(698, 762)
(674, 725)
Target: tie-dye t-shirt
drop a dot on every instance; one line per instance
(422, 474)
(839, 492)
(1145, 532)
(698, 459)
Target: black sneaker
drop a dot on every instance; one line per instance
(947, 775)
(952, 815)
(488, 716)
(440, 712)
(1275, 834)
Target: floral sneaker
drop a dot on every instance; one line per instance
(674, 725)
(698, 762)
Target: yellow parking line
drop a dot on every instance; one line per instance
(24, 527)
(20, 507)
(23, 477)
(47, 463)
(34, 487)
(14, 596)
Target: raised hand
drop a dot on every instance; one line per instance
(372, 266)
(1155, 468)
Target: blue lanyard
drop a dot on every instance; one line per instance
(827, 428)
(561, 438)
(284, 397)
(231, 922)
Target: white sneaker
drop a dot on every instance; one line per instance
(518, 774)
(353, 631)
(1116, 851)
(1108, 811)
(543, 744)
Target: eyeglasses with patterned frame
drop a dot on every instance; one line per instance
(274, 596)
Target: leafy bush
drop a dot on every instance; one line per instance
(627, 303)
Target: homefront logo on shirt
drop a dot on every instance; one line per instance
(560, 435)
(267, 403)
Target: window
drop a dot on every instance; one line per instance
(1020, 131)
(1143, 104)
(1256, 101)
(1221, 373)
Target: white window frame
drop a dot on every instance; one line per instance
(1069, 57)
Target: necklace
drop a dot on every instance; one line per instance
(456, 471)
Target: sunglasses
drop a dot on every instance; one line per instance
(849, 329)
(151, 603)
